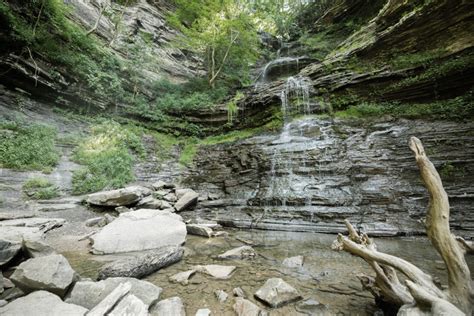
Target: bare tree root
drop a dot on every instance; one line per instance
(419, 295)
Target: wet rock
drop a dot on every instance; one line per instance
(88, 294)
(203, 312)
(216, 271)
(96, 221)
(245, 307)
(221, 295)
(130, 305)
(188, 200)
(121, 197)
(8, 250)
(276, 293)
(108, 303)
(182, 277)
(311, 307)
(37, 248)
(41, 303)
(238, 292)
(51, 273)
(171, 306)
(122, 209)
(140, 230)
(293, 262)
(199, 230)
(242, 252)
(142, 264)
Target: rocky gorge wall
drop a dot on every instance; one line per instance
(318, 172)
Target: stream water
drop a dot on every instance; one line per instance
(326, 276)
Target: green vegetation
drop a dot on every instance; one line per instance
(460, 108)
(27, 147)
(107, 155)
(40, 189)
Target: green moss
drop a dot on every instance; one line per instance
(40, 189)
(108, 157)
(188, 152)
(27, 147)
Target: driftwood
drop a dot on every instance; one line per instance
(419, 294)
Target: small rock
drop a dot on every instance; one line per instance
(189, 199)
(150, 202)
(122, 209)
(51, 273)
(182, 277)
(37, 248)
(238, 292)
(96, 221)
(41, 303)
(219, 234)
(121, 197)
(3, 303)
(7, 284)
(11, 294)
(88, 294)
(1, 283)
(199, 230)
(238, 253)
(245, 307)
(203, 312)
(158, 185)
(311, 307)
(221, 295)
(130, 305)
(171, 306)
(8, 250)
(109, 218)
(142, 264)
(276, 293)
(170, 197)
(166, 206)
(216, 271)
(294, 262)
(181, 192)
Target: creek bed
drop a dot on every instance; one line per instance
(326, 276)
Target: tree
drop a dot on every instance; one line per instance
(420, 294)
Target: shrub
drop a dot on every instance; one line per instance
(27, 147)
(40, 189)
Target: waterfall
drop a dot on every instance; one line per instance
(295, 95)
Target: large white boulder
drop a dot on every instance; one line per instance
(140, 230)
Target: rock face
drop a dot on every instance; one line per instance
(276, 292)
(142, 264)
(140, 230)
(121, 197)
(41, 303)
(88, 294)
(51, 273)
(322, 171)
(171, 306)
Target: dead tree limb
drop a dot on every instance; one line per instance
(420, 294)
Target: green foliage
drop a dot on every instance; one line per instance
(424, 59)
(27, 147)
(107, 157)
(188, 152)
(40, 189)
(233, 107)
(460, 108)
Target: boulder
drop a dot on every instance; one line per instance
(107, 304)
(203, 312)
(130, 305)
(121, 197)
(171, 306)
(216, 271)
(221, 295)
(238, 253)
(293, 262)
(142, 264)
(88, 293)
(187, 200)
(140, 230)
(36, 248)
(199, 230)
(276, 293)
(181, 192)
(8, 250)
(51, 273)
(41, 303)
(182, 277)
(243, 307)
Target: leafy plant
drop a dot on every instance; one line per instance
(40, 189)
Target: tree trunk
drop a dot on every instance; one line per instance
(419, 294)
